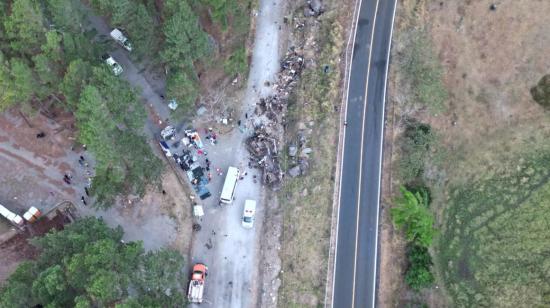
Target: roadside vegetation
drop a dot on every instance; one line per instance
(88, 265)
(422, 67)
(307, 201)
(411, 214)
(487, 164)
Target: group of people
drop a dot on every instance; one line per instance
(67, 178)
(210, 135)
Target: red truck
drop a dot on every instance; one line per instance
(196, 285)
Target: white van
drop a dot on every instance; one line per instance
(229, 186)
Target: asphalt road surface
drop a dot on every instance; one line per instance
(355, 271)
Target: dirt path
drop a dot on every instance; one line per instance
(154, 104)
(230, 251)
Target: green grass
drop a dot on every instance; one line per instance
(423, 70)
(494, 249)
(237, 63)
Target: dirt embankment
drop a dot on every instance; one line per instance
(297, 236)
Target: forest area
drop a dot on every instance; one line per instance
(51, 59)
(51, 63)
(88, 265)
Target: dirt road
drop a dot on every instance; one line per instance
(230, 251)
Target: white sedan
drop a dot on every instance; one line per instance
(248, 213)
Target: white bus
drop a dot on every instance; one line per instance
(228, 190)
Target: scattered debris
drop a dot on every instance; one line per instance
(264, 144)
(306, 151)
(294, 171)
(202, 110)
(292, 150)
(172, 104)
(314, 8)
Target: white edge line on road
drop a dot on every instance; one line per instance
(381, 147)
(345, 103)
(361, 159)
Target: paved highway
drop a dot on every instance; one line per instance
(355, 271)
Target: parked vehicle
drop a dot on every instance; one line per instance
(115, 67)
(193, 138)
(248, 213)
(168, 132)
(196, 285)
(229, 186)
(14, 218)
(120, 38)
(165, 148)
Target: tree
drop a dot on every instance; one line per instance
(161, 281)
(143, 31)
(541, 92)
(183, 88)
(18, 293)
(185, 41)
(87, 265)
(411, 214)
(24, 83)
(219, 10)
(66, 15)
(25, 27)
(8, 93)
(49, 65)
(76, 78)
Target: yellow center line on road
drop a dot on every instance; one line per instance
(361, 159)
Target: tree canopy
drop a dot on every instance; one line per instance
(87, 265)
(185, 41)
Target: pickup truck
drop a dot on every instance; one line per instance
(196, 285)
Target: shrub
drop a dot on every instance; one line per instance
(418, 274)
(541, 92)
(411, 214)
(416, 144)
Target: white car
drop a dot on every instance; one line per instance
(248, 213)
(120, 38)
(115, 67)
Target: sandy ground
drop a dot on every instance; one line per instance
(32, 175)
(230, 251)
